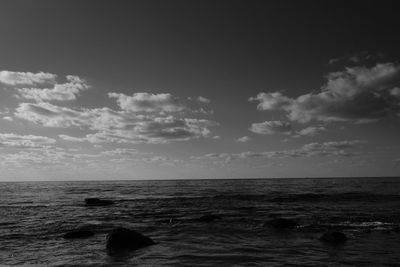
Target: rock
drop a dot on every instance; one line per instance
(94, 201)
(122, 239)
(334, 238)
(281, 224)
(78, 234)
(209, 218)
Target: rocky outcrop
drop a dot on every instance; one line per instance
(334, 238)
(94, 201)
(122, 240)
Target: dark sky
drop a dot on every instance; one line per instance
(225, 51)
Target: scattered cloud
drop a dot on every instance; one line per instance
(271, 127)
(243, 139)
(146, 102)
(45, 156)
(310, 131)
(71, 138)
(395, 92)
(203, 99)
(115, 126)
(7, 118)
(24, 141)
(332, 148)
(59, 92)
(35, 157)
(355, 94)
(26, 78)
(271, 101)
(356, 58)
(120, 152)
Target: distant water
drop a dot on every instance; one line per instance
(33, 216)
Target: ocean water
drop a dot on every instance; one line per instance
(35, 215)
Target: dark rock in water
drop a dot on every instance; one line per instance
(94, 201)
(281, 224)
(334, 238)
(122, 239)
(209, 218)
(78, 234)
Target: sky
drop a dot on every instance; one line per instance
(103, 90)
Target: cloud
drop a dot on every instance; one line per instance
(332, 148)
(115, 126)
(146, 102)
(243, 139)
(310, 131)
(24, 141)
(71, 138)
(27, 78)
(395, 92)
(59, 92)
(43, 156)
(271, 127)
(355, 94)
(7, 118)
(120, 152)
(203, 99)
(50, 115)
(356, 58)
(23, 158)
(271, 101)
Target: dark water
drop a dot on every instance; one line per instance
(33, 217)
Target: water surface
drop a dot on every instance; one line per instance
(34, 215)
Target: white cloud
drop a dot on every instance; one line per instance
(271, 101)
(310, 131)
(243, 139)
(146, 102)
(27, 78)
(357, 93)
(271, 127)
(203, 99)
(24, 141)
(59, 92)
(71, 138)
(120, 152)
(116, 126)
(395, 92)
(333, 148)
(42, 156)
(7, 118)
(50, 115)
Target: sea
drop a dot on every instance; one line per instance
(34, 216)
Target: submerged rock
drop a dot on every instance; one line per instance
(334, 238)
(122, 239)
(78, 234)
(281, 224)
(94, 201)
(209, 218)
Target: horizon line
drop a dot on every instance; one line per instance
(205, 179)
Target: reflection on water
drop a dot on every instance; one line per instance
(34, 216)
